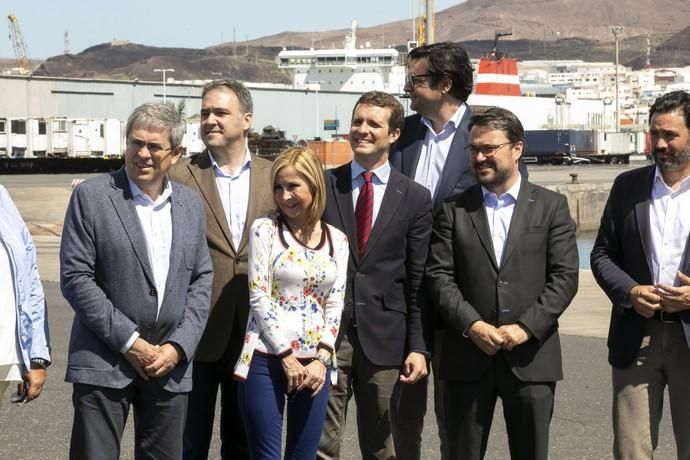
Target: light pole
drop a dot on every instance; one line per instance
(615, 30)
(317, 86)
(164, 71)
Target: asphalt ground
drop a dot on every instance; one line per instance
(581, 426)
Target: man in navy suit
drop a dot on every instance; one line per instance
(387, 218)
(135, 268)
(641, 259)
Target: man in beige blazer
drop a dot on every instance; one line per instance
(235, 188)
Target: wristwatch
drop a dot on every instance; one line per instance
(40, 362)
(325, 361)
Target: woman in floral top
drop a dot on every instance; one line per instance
(297, 274)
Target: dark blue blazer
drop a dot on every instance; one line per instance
(620, 260)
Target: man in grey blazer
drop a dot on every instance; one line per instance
(502, 267)
(135, 268)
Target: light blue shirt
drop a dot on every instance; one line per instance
(434, 153)
(379, 181)
(234, 194)
(499, 212)
(29, 297)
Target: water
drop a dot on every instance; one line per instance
(585, 242)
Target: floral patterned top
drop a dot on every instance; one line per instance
(296, 293)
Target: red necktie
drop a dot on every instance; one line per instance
(364, 212)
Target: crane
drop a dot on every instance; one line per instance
(426, 26)
(21, 53)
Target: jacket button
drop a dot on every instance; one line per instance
(153, 293)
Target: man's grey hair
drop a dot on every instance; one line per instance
(241, 91)
(158, 115)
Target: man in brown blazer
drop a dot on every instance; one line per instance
(235, 188)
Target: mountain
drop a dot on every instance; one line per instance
(544, 20)
(541, 29)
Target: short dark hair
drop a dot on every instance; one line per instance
(498, 118)
(241, 91)
(675, 101)
(158, 115)
(447, 60)
(386, 101)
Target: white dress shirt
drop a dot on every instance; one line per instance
(379, 180)
(10, 360)
(669, 225)
(434, 153)
(499, 212)
(156, 223)
(234, 194)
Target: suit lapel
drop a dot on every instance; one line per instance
(341, 184)
(518, 223)
(481, 223)
(392, 198)
(457, 161)
(206, 185)
(177, 217)
(642, 203)
(258, 187)
(121, 197)
(410, 154)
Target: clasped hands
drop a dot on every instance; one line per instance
(646, 299)
(299, 376)
(490, 339)
(152, 360)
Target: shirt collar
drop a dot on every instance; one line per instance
(382, 173)
(246, 164)
(452, 123)
(139, 195)
(490, 197)
(660, 187)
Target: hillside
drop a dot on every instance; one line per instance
(539, 32)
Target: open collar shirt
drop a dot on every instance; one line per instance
(434, 153)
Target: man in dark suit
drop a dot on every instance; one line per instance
(235, 188)
(136, 271)
(387, 218)
(431, 150)
(641, 259)
(502, 267)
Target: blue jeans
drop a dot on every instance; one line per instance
(262, 399)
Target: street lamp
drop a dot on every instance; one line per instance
(317, 86)
(615, 30)
(164, 72)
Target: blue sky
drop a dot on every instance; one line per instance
(185, 23)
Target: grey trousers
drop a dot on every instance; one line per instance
(100, 415)
(372, 387)
(638, 394)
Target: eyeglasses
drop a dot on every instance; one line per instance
(412, 80)
(487, 150)
(152, 148)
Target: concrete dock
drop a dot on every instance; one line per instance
(581, 428)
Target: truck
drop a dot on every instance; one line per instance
(570, 146)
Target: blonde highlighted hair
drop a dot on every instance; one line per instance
(307, 165)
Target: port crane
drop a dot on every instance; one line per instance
(21, 53)
(423, 26)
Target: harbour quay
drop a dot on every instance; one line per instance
(581, 426)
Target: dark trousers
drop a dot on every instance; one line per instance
(262, 399)
(207, 378)
(527, 409)
(100, 415)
